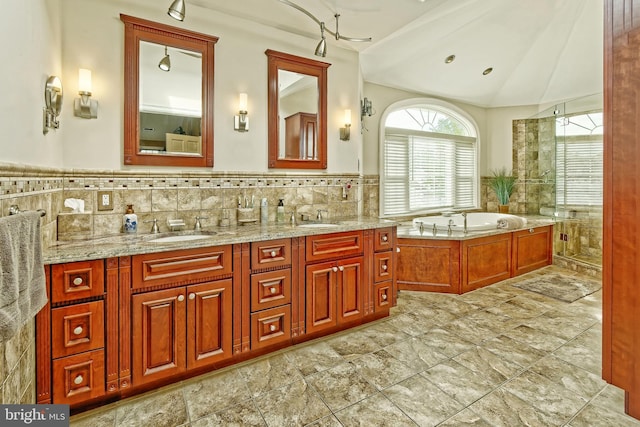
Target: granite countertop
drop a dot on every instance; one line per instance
(141, 243)
(408, 231)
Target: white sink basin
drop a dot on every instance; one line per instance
(317, 225)
(181, 238)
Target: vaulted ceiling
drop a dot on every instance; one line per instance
(541, 51)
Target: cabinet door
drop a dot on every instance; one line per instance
(532, 249)
(321, 296)
(349, 287)
(209, 323)
(158, 334)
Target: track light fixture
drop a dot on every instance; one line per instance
(176, 10)
(321, 49)
(165, 63)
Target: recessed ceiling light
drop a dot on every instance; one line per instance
(449, 59)
(487, 71)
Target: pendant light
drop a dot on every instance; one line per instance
(165, 63)
(176, 10)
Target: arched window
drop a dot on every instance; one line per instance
(428, 159)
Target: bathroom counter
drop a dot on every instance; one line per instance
(406, 230)
(143, 243)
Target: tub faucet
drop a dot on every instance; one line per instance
(464, 215)
(421, 227)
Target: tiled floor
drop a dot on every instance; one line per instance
(498, 356)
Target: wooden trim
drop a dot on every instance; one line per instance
(43, 347)
(124, 330)
(238, 272)
(112, 325)
(245, 300)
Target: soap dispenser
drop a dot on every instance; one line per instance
(280, 211)
(130, 220)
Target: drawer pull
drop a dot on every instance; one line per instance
(180, 298)
(384, 297)
(272, 328)
(192, 295)
(77, 281)
(273, 254)
(273, 290)
(384, 267)
(341, 268)
(335, 269)
(78, 330)
(397, 249)
(78, 380)
(385, 238)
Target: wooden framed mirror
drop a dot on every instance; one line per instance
(168, 110)
(297, 104)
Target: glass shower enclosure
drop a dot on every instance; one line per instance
(562, 174)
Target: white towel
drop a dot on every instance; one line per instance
(22, 283)
(511, 221)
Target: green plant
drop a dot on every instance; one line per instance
(502, 182)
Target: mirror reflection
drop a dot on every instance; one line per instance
(168, 95)
(297, 108)
(170, 100)
(298, 113)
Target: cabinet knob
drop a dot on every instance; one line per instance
(397, 249)
(78, 330)
(335, 269)
(273, 254)
(384, 297)
(78, 380)
(180, 298)
(192, 295)
(384, 267)
(273, 290)
(78, 281)
(531, 230)
(341, 268)
(385, 238)
(272, 328)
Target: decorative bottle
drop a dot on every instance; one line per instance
(264, 211)
(130, 220)
(280, 211)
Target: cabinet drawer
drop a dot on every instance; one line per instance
(327, 246)
(382, 296)
(77, 280)
(272, 253)
(383, 266)
(78, 378)
(77, 328)
(270, 327)
(383, 239)
(183, 266)
(270, 289)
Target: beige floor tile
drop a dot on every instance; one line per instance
(316, 357)
(161, 409)
(382, 370)
(292, 405)
(245, 414)
(213, 393)
(465, 418)
(269, 373)
(341, 386)
(375, 411)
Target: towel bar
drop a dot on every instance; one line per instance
(14, 209)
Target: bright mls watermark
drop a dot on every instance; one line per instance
(34, 415)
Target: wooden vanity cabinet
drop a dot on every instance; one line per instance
(183, 326)
(384, 260)
(180, 328)
(334, 287)
(270, 321)
(301, 136)
(532, 249)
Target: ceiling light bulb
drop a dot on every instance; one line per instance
(165, 63)
(177, 10)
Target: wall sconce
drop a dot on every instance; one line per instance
(84, 106)
(53, 104)
(241, 121)
(345, 132)
(366, 108)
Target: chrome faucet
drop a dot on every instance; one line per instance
(421, 227)
(319, 216)
(464, 215)
(154, 228)
(198, 225)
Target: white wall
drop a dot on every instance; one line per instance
(30, 31)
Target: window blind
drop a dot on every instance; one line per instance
(579, 171)
(427, 171)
